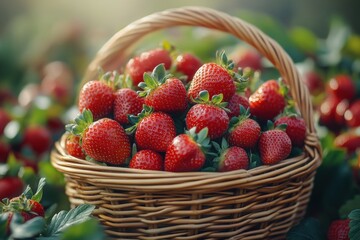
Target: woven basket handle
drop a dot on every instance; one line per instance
(114, 50)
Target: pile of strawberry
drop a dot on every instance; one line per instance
(175, 113)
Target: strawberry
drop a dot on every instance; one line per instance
(127, 102)
(146, 62)
(230, 158)
(350, 141)
(72, 146)
(38, 139)
(340, 110)
(352, 115)
(313, 82)
(187, 151)
(327, 113)
(104, 140)
(209, 114)
(341, 86)
(4, 151)
(163, 93)
(153, 130)
(98, 97)
(247, 58)
(148, 160)
(274, 145)
(10, 187)
(27, 205)
(244, 132)
(233, 105)
(295, 129)
(339, 230)
(4, 120)
(216, 78)
(187, 64)
(267, 101)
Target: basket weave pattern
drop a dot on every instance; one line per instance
(261, 203)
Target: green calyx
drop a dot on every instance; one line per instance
(220, 152)
(201, 138)
(81, 123)
(136, 119)
(244, 114)
(222, 60)
(114, 80)
(153, 80)
(216, 100)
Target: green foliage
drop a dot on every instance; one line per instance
(308, 229)
(354, 216)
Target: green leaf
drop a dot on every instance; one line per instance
(204, 96)
(88, 230)
(202, 135)
(61, 221)
(216, 146)
(150, 82)
(39, 192)
(217, 99)
(349, 206)
(255, 161)
(308, 229)
(354, 216)
(3, 225)
(29, 229)
(50, 212)
(159, 73)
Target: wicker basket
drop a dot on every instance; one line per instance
(261, 203)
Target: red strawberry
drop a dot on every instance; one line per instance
(244, 132)
(148, 160)
(163, 93)
(98, 97)
(350, 141)
(4, 120)
(127, 102)
(146, 62)
(188, 64)
(295, 129)
(209, 114)
(233, 105)
(274, 146)
(10, 187)
(154, 131)
(341, 108)
(342, 87)
(215, 78)
(230, 158)
(314, 82)
(73, 147)
(38, 139)
(328, 113)
(267, 101)
(104, 140)
(186, 152)
(339, 230)
(248, 58)
(352, 115)
(4, 151)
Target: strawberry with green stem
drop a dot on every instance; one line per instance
(27, 204)
(268, 100)
(186, 153)
(73, 147)
(216, 78)
(187, 64)
(127, 102)
(274, 144)
(104, 140)
(230, 158)
(163, 92)
(98, 95)
(146, 62)
(153, 130)
(209, 114)
(244, 132)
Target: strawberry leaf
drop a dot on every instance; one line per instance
(38, 195)
(349, 206)
(255, 161)
(204, 96)
(64, 219)
(3, 224)
(89, 230)
(29, 229)
(354, 224)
